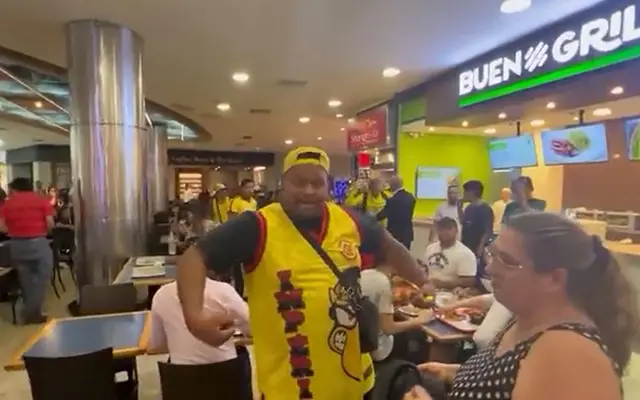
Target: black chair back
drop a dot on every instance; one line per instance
(82, 377)
(108, 299)
(219, 381)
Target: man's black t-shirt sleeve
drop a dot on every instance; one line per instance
(371, 232)
(488, 219)
(232, 243)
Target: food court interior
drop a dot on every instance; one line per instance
(529, 94)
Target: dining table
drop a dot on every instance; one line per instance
(126, 333)
(127, 273)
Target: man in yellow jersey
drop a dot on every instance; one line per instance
(220, 204)
(305, 329)
(244, 201)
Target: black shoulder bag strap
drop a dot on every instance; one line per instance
(365, 200)
(366, 312)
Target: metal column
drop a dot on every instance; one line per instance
(157, 169)
(108, 147)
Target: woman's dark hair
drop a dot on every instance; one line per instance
(595, 281)
(64, 197)
(21, 185)
(475, 187)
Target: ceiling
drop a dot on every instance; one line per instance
(331, 48)
(540, 119)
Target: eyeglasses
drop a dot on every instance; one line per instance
(493, 259)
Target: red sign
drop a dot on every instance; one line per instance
(369, 129)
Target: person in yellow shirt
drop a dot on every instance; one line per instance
(355, 194)
(303, 318)
(220, 204)
(244, 201)
(374, 200)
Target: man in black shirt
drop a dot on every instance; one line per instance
(476, 219)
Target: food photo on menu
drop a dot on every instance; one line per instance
(580, 144)
(632, 131)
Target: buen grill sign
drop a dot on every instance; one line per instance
(594, 44)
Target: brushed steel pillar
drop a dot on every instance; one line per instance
(157, 169)
(108, 147)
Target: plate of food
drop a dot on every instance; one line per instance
(409, 310)
(457, 319)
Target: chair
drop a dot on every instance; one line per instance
(10, 291)
(63, 245)
(82, 377)
(219, 381)
(112, 299)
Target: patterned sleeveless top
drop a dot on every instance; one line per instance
(487, 376)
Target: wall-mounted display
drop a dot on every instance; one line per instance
(512, 152)
(632, 133)
(433, 182)
(579, 144)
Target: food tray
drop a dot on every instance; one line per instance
(463, 325)
(151, 260)
(148, 272)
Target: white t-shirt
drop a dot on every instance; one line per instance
(377, 287)
(168, 327)
(498, 211)
(451, 262)
(496, 319)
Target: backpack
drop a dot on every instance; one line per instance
(394, 378)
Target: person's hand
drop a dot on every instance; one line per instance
(445, 372)
(424, 316)
(417, 392)
(213, 328)
(428, 290)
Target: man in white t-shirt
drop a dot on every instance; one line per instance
(169, 331)
(376, 285)
(450, 264)
(450, 208)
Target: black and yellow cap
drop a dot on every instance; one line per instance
(306, 155)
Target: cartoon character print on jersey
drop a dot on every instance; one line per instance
(343, 338)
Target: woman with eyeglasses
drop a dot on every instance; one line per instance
(575, 316)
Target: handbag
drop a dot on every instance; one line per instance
(367, 313)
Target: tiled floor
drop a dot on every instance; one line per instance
(15, 385)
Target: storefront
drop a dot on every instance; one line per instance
(372, 141)
(201, 169)
(49, 164)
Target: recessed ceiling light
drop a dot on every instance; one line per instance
(514, 6)
(304, 120)
(342, 129)
(465, 123)
(38, 104)
(537, 122)
(339, 115)
(334, 103)
(576, 119)
(551, 105)
(351, 121)
(617, 90)
(257, 148)
(490, 131)
(240, 77)
(502, 115)
(431, 129)
(288, 142)
(601, 112)
(319, 137)
(223, 106)
(390, 72)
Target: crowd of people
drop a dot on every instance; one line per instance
(561, 315)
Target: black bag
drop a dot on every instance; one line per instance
(366, 311)
(394, 378)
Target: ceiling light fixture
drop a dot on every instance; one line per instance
(431, 129)
(490, 131)
(390, 72)
(465, 123)
(514, 6)
(341, 129)
(537, 122)
(319, 137)
(304, 120)
(601, 112)
(240, 77)
(339, 115)
(502, 115)
(551, 105)
(351, 121)
(38, 104)
(617, 90)
(288, 142)
(334, 103)
(224, 106)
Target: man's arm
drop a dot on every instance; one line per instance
(384, 213)
(221, 250)
(158, 337)
(386, 310)
(487, 224)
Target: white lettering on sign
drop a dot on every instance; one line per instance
(602, 35)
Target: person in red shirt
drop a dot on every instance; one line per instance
(27, 217)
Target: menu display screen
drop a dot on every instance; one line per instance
(579, 144)
(432, 182)
(632, 132)
(512, 152)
